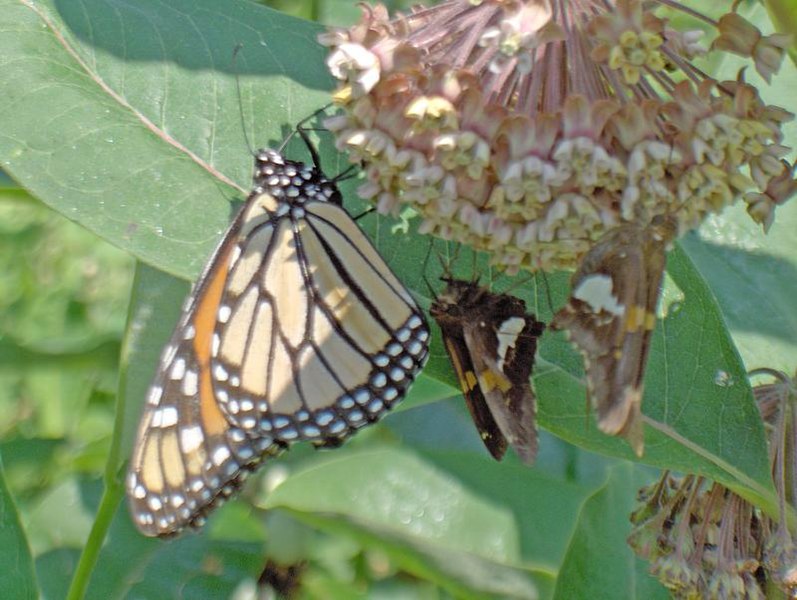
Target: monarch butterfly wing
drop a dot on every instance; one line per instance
(187, 457)
(502, 341)
(316, 337)
(610, 316)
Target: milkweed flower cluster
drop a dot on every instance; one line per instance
(705, 541)
(528, 128)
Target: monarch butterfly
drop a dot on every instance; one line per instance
(296, 330)
(610, 316)
(491, 341)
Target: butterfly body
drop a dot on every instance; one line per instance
(491, 341)
(296, 330)
(611, 315)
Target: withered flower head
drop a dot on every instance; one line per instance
(705, 541)
(528, 128)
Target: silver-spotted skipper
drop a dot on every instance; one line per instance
(491, 341)
(610, 316)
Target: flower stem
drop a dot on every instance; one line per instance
(113, 488)
(109, 502)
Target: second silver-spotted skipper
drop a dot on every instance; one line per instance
(491, 341)
(611, 315)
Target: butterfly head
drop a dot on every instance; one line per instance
(664, 228)
(457, 298)
(291, 181)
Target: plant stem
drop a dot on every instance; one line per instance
(111, 497)
(112, 483)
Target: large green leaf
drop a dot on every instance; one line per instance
(191, 566)
(544, 507)
(598, 563)
(428, 522)
(125, 117)
(755, 280)
(397, 491)
(17, 578)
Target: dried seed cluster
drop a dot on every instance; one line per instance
(705, 541)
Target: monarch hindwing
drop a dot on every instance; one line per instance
(491, 341)
(296, 330)
(610, 316)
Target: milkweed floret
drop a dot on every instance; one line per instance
(528, 128)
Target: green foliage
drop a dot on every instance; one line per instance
(16, 571)
(125, 120)
(598, 563)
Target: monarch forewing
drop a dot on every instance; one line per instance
(491, 341)
(187, 456)
(611, 315)
(296, 329)
(321, 286)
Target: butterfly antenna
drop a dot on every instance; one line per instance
(310, 147)
(302, 131)
(240, 98)
(446, 265)
(452, 258)
(348, 173)
(547, 291)
(424, 268)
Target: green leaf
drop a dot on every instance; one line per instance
(424, 519)
(598, 563)
(191, 566)
(55, 569)
(396, 491)
(143, 141)
(755, 280)
(64, 515)
(461, 574)
(17, 577)
(699, 411)
(544, 520)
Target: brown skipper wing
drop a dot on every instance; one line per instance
(611, 315)
(491, 341)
